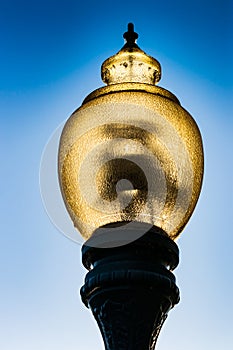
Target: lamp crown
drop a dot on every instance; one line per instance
(131, 64)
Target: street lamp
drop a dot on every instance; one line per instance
(130, 171)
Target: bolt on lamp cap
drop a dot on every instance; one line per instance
(130, 36)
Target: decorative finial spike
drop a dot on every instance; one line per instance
(130, 27)
(130, 36)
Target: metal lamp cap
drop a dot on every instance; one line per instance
(131, 64)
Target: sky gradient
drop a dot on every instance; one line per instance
(50, 57)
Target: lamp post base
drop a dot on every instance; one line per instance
(129, 287)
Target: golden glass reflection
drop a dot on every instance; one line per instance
(148, 141)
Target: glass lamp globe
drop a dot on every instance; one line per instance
(131, 152)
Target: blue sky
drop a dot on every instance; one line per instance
(50, 57)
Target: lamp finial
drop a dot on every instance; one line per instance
(130, 36)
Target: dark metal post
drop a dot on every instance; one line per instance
(130, 288)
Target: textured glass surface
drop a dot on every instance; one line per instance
(130, 156)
